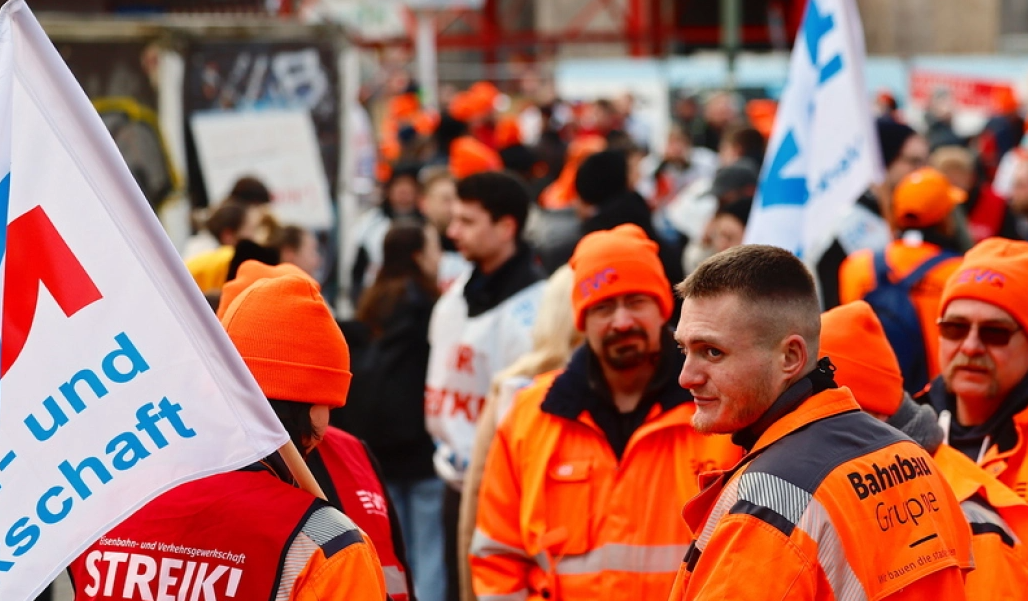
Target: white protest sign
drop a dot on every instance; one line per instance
(823, 152)
(279, 147)
(118, 383)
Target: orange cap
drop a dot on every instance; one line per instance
(462, 107)
(477, 102)
(508, 132)
(249, 272)
(995, 271)
(288, 338)
(614, 262)
(469, 156)
(1004, 100)
(761, 113)
(561, 192)
(854, 339)
(404, 106)
(485, 90)
(924, 198)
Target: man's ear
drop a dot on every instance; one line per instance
(794, 356)
(509, 225)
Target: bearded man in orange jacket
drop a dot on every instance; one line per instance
(828, 503)
(582, 487)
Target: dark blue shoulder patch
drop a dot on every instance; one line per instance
(805, 457)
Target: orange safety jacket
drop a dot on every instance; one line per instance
(857, 280)
(999, 524)
(1011, 467)
(560, 518)
(830, 503)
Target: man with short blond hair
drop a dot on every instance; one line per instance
(821, 482)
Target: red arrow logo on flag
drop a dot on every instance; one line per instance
(37, 254)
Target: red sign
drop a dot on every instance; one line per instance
(966, 91)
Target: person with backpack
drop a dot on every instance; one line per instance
(903, 282)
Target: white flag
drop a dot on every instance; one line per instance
(823, 152)
(118, 383)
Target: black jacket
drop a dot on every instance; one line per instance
(485, 291)
(386, 403)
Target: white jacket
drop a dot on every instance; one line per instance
(466, 354)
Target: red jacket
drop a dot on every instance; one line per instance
(238, 535)
(347, 475)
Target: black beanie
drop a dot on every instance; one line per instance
(602, 176)
(740, 209)
(891, 137)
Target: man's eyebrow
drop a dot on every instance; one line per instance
(705, 338)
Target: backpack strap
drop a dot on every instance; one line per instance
(922, 270)
(882, 269)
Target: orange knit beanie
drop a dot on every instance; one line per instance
(249, 272)
(288, 338)
(995, 271)
(613, 262)
(855, 341)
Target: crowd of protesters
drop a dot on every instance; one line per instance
(560, 342)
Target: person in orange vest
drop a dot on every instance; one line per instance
(983, 350)
(581, 489)
(343, 466)
(853, 338)
(903, 282)
(828, 502)
(250, 534)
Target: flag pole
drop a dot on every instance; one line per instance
(301, 473)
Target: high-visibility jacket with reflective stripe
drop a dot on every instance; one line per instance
(560, 518)
(999, 525)
(829, 504)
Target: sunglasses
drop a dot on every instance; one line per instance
(989, 335)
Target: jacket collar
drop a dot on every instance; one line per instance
(485, 291)
(273, 464)
(582, 384)
(815, 382)
(968, 479)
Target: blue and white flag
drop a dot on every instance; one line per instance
(117, 381)
(823, 152)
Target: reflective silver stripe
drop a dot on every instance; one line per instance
(783, 497)
(543, 562)
(484, 546)
(396, 583)
(636, 559)
(831, 554)
(978, 513)
(521, 595)
(729, 495)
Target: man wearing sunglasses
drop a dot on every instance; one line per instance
(982, 394)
